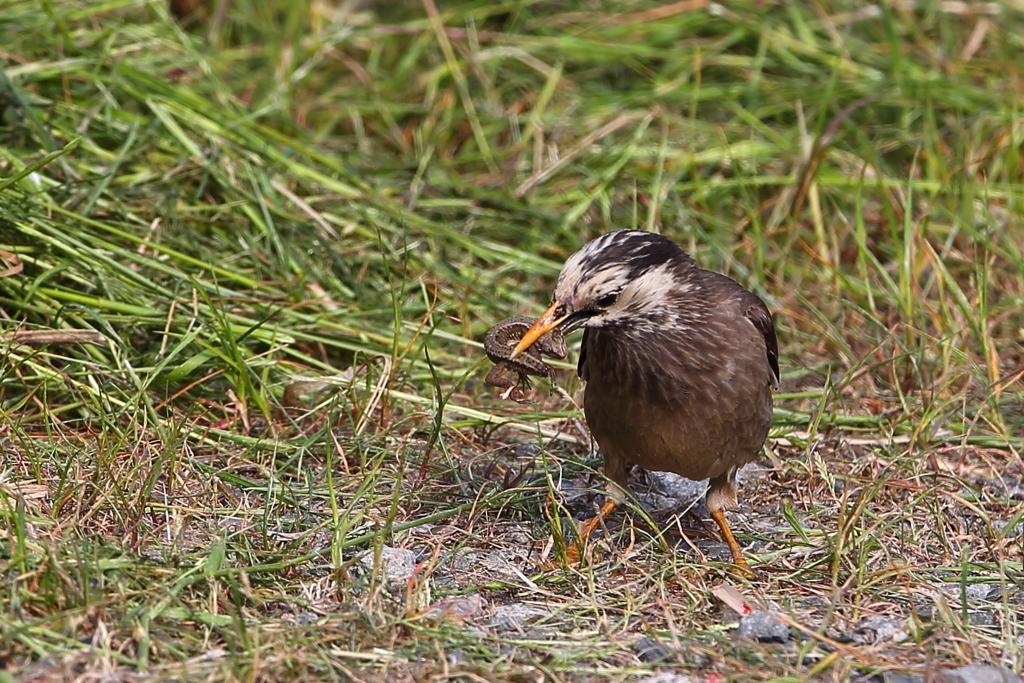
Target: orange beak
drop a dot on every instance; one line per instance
(544, 324)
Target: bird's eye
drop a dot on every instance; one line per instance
(607, 300)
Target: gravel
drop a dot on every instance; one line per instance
(650, 651)
(878, 629)
(978, 673)
(397, 564)
(515, 616)
(763, 627)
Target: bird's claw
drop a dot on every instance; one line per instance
(742, 570)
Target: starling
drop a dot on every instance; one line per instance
(679, 363)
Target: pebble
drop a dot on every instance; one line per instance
(763, 627)
(306, 618)
(888, 677)
(681, 489)
(650, 651)
(982, 618)
(895, 677)
(397, 563)
(514, 617)
(666, 677)
(978, 673)
(877, 629)
(458, 608)
(526, 450)
(974, 591)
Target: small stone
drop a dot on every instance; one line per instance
(982, 618)
(896, 677)
(978, 673)
(666, 677)
(398, 563)
(716, 552)
(455, 657)
(982, 591)
(518, 539)
(526, 450)
(656, 503)
(233, 523)
(458, 608)
(306, 618)
(974, 591)
(514, 617)
(888, 677)
(681, 489)
(1002, 527)
(699, 659)
(750, 472)
(763, 627)
(877, 629)
(466, 560)
(650, 651)
(257, 427)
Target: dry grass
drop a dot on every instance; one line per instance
(284, 228)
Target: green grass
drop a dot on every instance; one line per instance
(288, 227)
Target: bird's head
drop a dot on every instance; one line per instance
(621, 279)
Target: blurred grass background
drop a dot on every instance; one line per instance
(286, 226)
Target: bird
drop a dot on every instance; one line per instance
(680, 365)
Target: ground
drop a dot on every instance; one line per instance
(248, 254)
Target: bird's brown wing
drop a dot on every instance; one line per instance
(757, 313)
(581, 366)
(754, 310)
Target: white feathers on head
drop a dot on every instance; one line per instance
(623, 275)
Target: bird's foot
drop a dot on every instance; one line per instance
(574, 553)
(573, 557)
(742, 569)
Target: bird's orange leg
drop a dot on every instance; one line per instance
(574, 553)
(737, 555)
